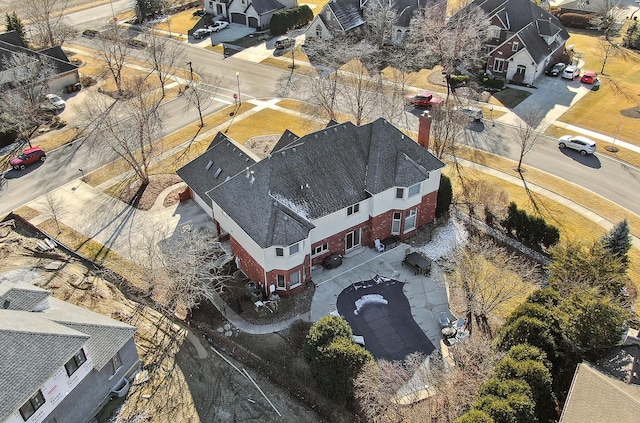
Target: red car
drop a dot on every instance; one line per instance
(28, 157)
(423, 100)
(589, 77)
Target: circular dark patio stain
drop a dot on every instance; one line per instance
(379, 311)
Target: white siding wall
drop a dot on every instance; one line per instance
(522, 58)
(233, 229)
(204, 204)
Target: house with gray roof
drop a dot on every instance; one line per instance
(525, 39)
(58, 362)
(252, 13)
(64, 72)
(333, 191)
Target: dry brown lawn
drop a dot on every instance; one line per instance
(180, 22)
(315, 5)
(601, 110)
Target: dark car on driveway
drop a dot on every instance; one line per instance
(28, 157)
(556, 69)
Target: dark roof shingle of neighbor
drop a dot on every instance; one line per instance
(266, 6)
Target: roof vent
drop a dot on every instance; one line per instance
(285, 218)
(284, 153)
(209, 164)
(293, 149)
(246, 159)
(253, 178)
(227, 178)
(228, 144)
(6, 303)
(335, 129)
(315, 135)
(234, 149)
(402, 136)
(218, 172)
(247, 169)
(306, 185)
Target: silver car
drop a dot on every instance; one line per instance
(579, 143)
(473, 113)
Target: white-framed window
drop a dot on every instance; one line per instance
(498, 65)
(75, 362)
(399, 192)
(410, 219)
(294, 249)
(515, 46)
(319, 249)
(353, 209)
(279, 252)
(395, 223)
(116, 363)
(31, 406)
(294, 279)
(494, 31)
(280, 282)
(352, 240)
(414, 190)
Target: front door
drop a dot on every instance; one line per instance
(352, 240)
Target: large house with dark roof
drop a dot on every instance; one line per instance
(525, 39)
(65, 72)
(58, 362)
(333, 191)
(252, 13)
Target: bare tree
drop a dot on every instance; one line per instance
(54, 208)
(114, 50)
(323, 90)
(488, 277)
(380, 17)
(21, 103)
(46, 21)
(606, 17)
(127, 127)
(527, 134)
(455, 42)
(447, 127)
(165, 54)
(185, 268)
(200, 92)
(492, 199)
(359, 89)
(607, 49)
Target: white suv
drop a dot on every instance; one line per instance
(582, 144)
(570, 72)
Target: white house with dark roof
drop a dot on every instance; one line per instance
(65, 72)
(525, 39)
(333, 191)
(58, 362)
(252, 13)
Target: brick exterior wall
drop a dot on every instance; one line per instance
(305, 276)
(249, 266)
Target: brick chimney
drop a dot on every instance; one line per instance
(424, 129)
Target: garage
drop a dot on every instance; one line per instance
(238, 18)
(253, 22)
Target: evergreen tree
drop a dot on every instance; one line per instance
(13, 23)
(445, 196)
(618, 242)
(632, 37)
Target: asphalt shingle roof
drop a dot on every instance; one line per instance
(11, 45)
(278, 198)
(266, 6)
(21, 296)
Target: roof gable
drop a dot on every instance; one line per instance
(266, 6)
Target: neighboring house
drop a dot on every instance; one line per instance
(341, 16)
(58, 362)
(330, 192)
(609, 392)
(252, 13)
(66, 73)
(525, 39)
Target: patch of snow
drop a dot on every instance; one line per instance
(369, 299)
(21, 275)
(445, 239)
(300, 209)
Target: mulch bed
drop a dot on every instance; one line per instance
(143, 198)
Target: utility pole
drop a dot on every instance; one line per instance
(239, 98)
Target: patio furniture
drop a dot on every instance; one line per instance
(421, 264)
(379, 245)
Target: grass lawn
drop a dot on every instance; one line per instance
(315, 5)
(181, 22)
(602, 110)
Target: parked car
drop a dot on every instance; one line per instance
(423, 100)
(589, 77)
(284, 42)
(579, 143)
(28, 157)
(556, 69)
(219, 26)
(199, 12)
(202, 32)
(570, 72)
(473, 113)
(53, 102)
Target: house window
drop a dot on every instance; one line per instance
(319, 31)
(294, 279)
(279, 251)
(75, 362)
(294, 249)
(281, 284)
(353, 209)
(514, 46)
(399, 192)
(395, 223)
(498, 65)
(410, 219)
(414, 190)
(494, 32)
(352, 240)
(320, 249)
(211, 5)
(31, 406)
(116, 363)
